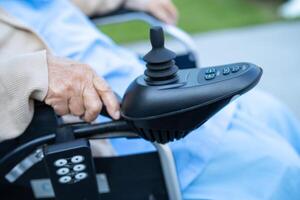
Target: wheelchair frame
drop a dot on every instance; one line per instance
(163, 150)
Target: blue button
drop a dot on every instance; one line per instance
(235, 69)
(210, 76)
(210, 71)
(226, 71)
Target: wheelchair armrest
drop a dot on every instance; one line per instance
(125, 15)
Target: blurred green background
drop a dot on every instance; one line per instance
(198, 16)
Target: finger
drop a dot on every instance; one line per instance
(108, 97)
(92, 104)
(172, 10)
(59, 105)
(111, 103)
(163, 16)
(76, 106)
(61, 108)
(100, 84)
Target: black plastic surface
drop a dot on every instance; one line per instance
(71, 168)
(162, 108)
(44, 122)
(161, 68)
(131, 177)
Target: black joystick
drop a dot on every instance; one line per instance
(161, 68)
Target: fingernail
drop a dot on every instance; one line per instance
(116, 115)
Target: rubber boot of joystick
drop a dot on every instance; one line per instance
(161, 68)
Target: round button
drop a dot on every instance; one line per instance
(226, 71)
(77, 159)
(210, 76)
(210, 71)
(79, 167)
(81, 175)
(235, 69)
(60, 162)
(65, 179)
(63, 171)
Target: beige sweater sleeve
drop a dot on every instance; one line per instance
(22, 79)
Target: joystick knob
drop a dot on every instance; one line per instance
(160, 63)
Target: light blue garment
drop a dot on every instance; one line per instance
(249, 150)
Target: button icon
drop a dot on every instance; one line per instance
(235, 69)
(79, 167)
(226, 71)
(63, 171)
(77, 159)
(210, 71)
(65, 179)
(210, 76)
(60, 162)
(81, 175)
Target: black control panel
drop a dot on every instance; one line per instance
(71, 168)
(224, 72)
(167, 103)
(206, 76)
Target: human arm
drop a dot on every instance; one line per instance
(22, 79)
(68, 86)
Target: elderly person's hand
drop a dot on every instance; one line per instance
(75, 89)
(164, 10)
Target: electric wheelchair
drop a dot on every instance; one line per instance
(52, 159)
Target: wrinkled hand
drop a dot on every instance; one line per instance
(164, 10)
(75, 89)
